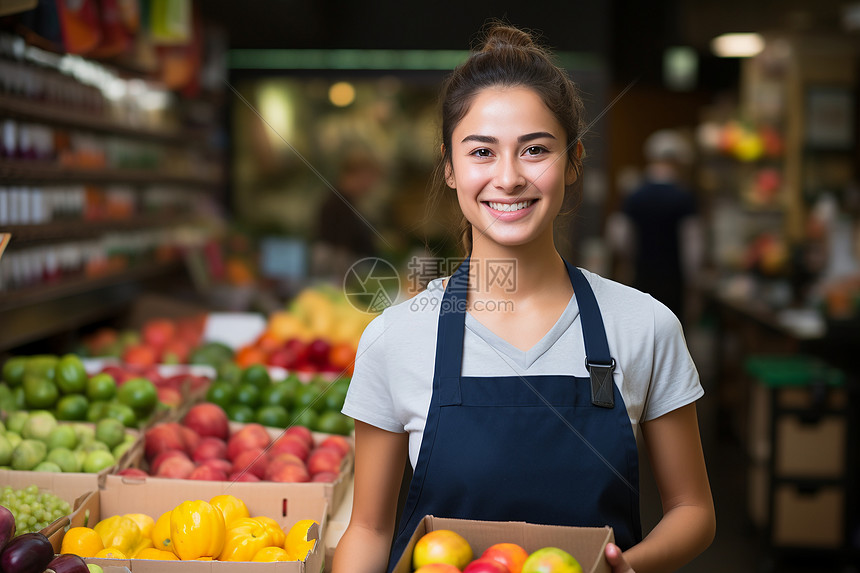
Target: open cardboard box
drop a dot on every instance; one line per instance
(586, 544)
(154, 497)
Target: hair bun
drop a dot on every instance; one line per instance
(501, 36)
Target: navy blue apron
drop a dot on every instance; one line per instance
(555, 450)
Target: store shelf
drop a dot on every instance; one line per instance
(33, 171)
(71, 230)
(46, 112)
(31, 297)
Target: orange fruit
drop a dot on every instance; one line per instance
(342, 356)
(157, 554)
(248, 355)
(442, 546)
(111, 553)
(510, 555)
(297, 543)
(270, 554)
(82, 541)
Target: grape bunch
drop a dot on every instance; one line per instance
(32, 510)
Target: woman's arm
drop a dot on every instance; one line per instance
(688, 524)
(380, 457)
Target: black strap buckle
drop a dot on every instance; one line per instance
(602, 383)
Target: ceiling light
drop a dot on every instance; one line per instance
(737, 45)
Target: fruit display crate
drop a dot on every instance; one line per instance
(281, 502)
(585, 544)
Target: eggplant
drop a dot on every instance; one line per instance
(68, 563)
(7, 527)
(27, 553)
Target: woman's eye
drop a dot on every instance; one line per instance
(535, 150)
(483, 152)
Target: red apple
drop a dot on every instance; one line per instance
(242, 476)
(247, 438)
(208, 420)
(338, 443)
(175, 467)
(318, 351)
(140, 355)
(290, 473)
(255, 459)
(324, 460)
(133, 472)
(209, 447)
(290, 444)
(190, 437)
(325, 477)
(510, 555)
(165, 455)
(485, 565)
(303, 432)
(207, 473)
(218, 464)
(169, 396)
(161, 438)
(283, 459)
(157, 332)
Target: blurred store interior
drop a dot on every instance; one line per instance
(184, 152)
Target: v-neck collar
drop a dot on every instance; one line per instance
(525, 358)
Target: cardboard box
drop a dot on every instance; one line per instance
(586, 544)
(808, 518)
(154, 497)
(814, 448)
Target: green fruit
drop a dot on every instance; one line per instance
(551, 559)
(110, 431)
(241, 413)
(6, 448)
(28, 454)
(72, 407)
(221, 394)
(121, 449)
(84, 433)
(229, 372)
(256, 374)
(94, 446)
(214, 354)
(308, 396)
(97, 460)
(333, 422)
(14, 439)
(42, 366)
(95, 568)
(307, 418)
(39, 392)
(14, 369)
(63, 436)
(122, 413)
(16, 420)
(333, 398)
(71, 376)
(7, 399)
(139, 394)
(273, 416)
(18, 398)
(101, 387)
(278, 394)
(248, 394)
(47, 466)
(65, 458)
(96, 410)
(39, 426)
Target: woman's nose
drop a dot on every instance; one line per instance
(509, 174)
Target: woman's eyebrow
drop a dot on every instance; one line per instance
(520, 139)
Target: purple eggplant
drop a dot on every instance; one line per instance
(27, 553)
(7, 527)
(68, 563)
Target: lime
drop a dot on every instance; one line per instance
(248, 394)
(65, 458)
(121, 449)
(28, 454)
(122, 413)
(333, 398)
(96, 410)
(333, 422)
(308, 395)
(7, 398)
(221, 393)
(273, 416)
(256, 374)
(63, 436)
(47, 466)
(229, 372)
(139, 394)
(306, 418)
(96, 461)
(85, 433)
(6, 448)
(71, 376)
(93, 446)
(241, 413)
(39, 392)
(42, 365)
(18, 398)
(72, 407)
(39, 426)
(15, 421)
(14, 369)
(277, 394)
(110, 431)
(101, 387)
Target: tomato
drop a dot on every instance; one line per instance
(342, 356)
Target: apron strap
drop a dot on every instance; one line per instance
(452, 315)
(598, 360)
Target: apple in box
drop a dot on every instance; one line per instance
(324, 460)
(290, 444)
(249, 437)
(303, 433)
(163, 437)
(207, 473)
(287, 468)
(255, 460)
(210, 448)
(486, 565)
(176, 466)
(208, 420)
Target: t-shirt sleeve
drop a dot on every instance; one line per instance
(369, 396)
(674, 380)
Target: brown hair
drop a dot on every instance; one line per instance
(508, 57)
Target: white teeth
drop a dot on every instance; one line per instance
(509, 206)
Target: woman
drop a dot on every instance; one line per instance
(523, 399)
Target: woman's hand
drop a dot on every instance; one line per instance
(616, 559)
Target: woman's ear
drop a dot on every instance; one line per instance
(572, 172)
(449, 172)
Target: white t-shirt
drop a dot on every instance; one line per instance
(393, 379)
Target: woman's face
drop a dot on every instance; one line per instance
(509, 166)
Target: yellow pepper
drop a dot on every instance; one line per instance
(119, 532)
(144, 543)
(270, 554)
(278, 535)
(245, 539)
(232, 507)
(197, 530)
(143, 521)
(157, 554)
(161, 533)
